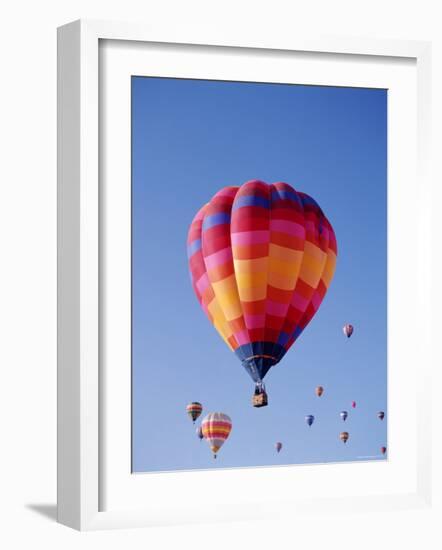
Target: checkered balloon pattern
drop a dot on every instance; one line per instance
(261, 259)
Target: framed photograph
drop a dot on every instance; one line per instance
(238, 276)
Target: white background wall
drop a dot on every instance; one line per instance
(28, 266)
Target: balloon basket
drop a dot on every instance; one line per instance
(260, 399)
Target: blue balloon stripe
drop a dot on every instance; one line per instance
(193, 247)
(308, 201)
(250, 200)
(283, 338)
(215, 219)
(284, 195)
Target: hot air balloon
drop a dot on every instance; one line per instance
(347, 330)
(353, 404)
(216, 428)
(261, 259)
(319, 391)
(383, 450)
(194, 409)
(309, 419)
(343, 436)
(343, 415)
(199, 432)
(278, 446)
(381, 415)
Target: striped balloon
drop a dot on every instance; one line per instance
(194, 409)
(216, 428)
(261, 259)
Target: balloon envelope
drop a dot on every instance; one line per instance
(381, 415)
(343, 436)
(348, 330)
(319, 391)
(216, 428)
(199, 432)
(309, 419)
(383, 450)
(278, 446)
(353, 404)
(194, 409)
(261, 259)
(344, 415)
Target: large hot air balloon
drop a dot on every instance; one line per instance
(383, 450)
(343, 436)
(381, 415)
(199, 432)
(278, 446)
(343, 415)
(216, 428)
(348, 330)
(319, 391)
(194, 409)
(261, 259)
(309, 418)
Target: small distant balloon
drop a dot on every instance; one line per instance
(343, 415)
(278, 446)
(319, 391)
(348, 330)
(381, 415)
(383, 450)
(353, 404)
(199, 432)
(194, 409)
(343, 436)
(216, 429)
(309, 419)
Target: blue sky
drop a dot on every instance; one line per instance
(189, 139)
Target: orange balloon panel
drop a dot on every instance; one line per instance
(261, 259)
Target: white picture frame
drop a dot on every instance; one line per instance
(83, 446)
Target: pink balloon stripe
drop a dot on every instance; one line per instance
(276, 308)
(202, 283)
(299, 302)
(242, 337)
(284, 226)
(250, 237)
(254, 321)
(218, 258)
(316, 300)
